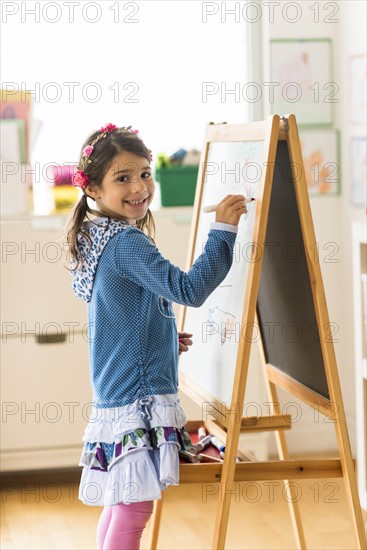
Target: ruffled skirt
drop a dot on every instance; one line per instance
(130, 453)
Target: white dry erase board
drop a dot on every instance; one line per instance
(232, 168)
(235, 160)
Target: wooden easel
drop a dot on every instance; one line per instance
(280, 140)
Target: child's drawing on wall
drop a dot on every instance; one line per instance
(320, 159)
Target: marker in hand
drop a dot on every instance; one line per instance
(213, 207)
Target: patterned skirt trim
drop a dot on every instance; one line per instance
(102, 456)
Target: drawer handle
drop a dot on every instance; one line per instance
(55, 338)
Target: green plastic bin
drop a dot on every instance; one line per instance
(178, 185)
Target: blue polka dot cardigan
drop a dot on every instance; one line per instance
(129, 288)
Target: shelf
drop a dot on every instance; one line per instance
(359, 246)
(181, 214)
(40, 221)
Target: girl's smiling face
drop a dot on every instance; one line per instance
(127, 181)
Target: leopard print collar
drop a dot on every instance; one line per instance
(100, 232)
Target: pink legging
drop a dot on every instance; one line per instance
(121, 526)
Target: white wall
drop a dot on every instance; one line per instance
(332, 216)
(165, 50)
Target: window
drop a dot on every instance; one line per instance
(166, 68)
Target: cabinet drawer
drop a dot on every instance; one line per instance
(36, 286)
(45, 392)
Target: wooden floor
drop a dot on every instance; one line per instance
(43, 512)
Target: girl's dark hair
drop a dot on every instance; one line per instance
(105, 150)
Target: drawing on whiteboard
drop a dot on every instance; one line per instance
(222, 322)
(218, 317)
(244, 173)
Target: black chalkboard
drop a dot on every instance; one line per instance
(285, 307)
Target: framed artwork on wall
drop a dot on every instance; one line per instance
(321, 158)
(358, 88)
(302, 81)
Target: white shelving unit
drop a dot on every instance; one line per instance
(360, 343)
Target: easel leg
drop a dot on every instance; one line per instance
(227, 483)
(226, 488)
(156, 517)
(283, 455)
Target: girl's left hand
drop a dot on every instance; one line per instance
(184, 341)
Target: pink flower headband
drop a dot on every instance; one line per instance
(80, 178)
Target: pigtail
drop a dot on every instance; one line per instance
(147, 223)
(74, 228)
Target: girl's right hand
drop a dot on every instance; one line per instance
(230, 209)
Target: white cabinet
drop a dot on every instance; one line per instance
(45, 387)
(360, 341)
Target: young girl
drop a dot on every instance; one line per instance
(137, 425)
